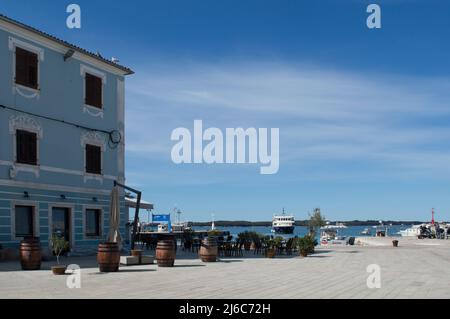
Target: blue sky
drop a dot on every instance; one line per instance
(363, 114)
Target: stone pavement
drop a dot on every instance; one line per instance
(416, 269)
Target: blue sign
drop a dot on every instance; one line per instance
(161, 218)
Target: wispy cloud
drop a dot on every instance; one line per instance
(387, 121)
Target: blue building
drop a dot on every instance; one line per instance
(61, 139)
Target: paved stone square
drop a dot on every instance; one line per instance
(416, 269)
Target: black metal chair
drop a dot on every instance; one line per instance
(196, 245)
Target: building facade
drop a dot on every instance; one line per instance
(61, 139)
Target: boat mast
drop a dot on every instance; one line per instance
(178, 212)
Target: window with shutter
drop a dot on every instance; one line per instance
(26, 68)
(93, 86)
(93, 222)
(93, 159)
(26, 147)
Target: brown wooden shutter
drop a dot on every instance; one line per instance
(93, 86)
(32, 70)
(32, 148)
(19, 147)
(93, 159)
(26, 148)
(88, 88)
(21, 66)
(26, 68)
(89, 167)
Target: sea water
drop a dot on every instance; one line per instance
(350, 231)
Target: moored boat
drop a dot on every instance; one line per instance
(283, 224)
(329, 235)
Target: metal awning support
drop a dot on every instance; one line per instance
(136, 214)
(131, 203)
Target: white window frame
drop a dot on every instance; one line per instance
(93, 138)
(89, 109)
(99, 208)
(36, 226)
(23, 90)
(29, 124)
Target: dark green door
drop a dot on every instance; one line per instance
(61, 222)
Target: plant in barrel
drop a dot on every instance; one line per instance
(59, 246)
(270, 247)
(214, 233)
(246, 239)
(306, 245)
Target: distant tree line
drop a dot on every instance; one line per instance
(306, 223)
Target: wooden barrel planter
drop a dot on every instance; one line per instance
(165, 253)
(270, 252)
(30, 254)
(108, 257)
(208, 250)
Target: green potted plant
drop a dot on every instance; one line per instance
(256, 239)
(214, 233)
(271, 247)
(305, 245)
(278, 241)
(245, 238)
(59, 245)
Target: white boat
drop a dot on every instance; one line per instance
(178, 225)
(413, 231)
(366, 232)
(163, 228)
(426, 230)
(329, 235)
(335, 226)
(283, 224)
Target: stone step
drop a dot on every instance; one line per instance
(132, 260)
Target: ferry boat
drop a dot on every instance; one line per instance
(283, 224)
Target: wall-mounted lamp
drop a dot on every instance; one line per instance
(68, 54)
(26, 195)
(62, 196)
